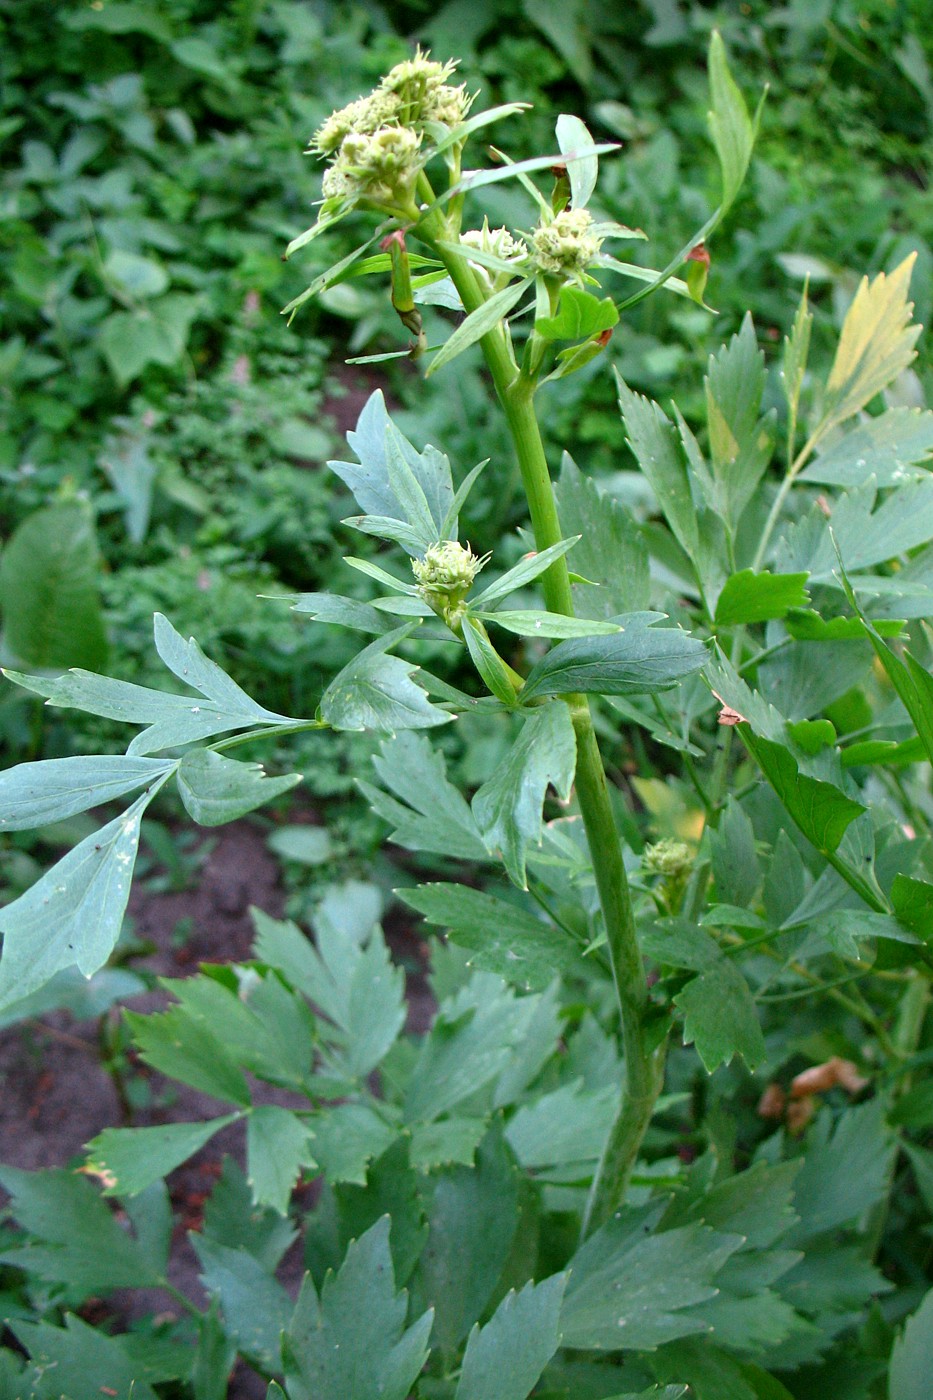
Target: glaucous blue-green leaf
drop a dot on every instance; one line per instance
(35, 794)
(84, 1361)
(504, 1359)
(75, 1241)
(350, 978)
(173, 719)
(72, 915)
(828, 1192)
(720, 1017)
(796, 354)
(255, 1307)
(891, 448)
(50, 589)
(426, 812)
(867, 533)
(759, 597)
(215, 789)
(639, 659)
(912, 1356)
(277, 1147)
(461, 1265)
(509, 806)
(527, 622)
(469, 1044)
(392, 1189)
(447, 1142)
(345, 612)
(611, 552)
(352, 1341)
(630, 1284)
(502, 937)
(740, 442)
(347, 1139)
(376, 691)
(524, 572)
(127, 1160)
(184, 1047)
(371, 481)
(653, 439)
(567, 1127)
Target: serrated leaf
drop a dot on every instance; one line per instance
(889, 448)
(876, 344)
(255, 1306)
(72, 1237)
(639, 659)
(912, 1356)
(231, 1218)
(508, 807)
(72, 915)
(479, 323)
(84, 1362)
(128, 1160)
(629, 1288)
(446, 1143)
(653, 440)
(567, 1127)
(183, 1047)
(731, 128)
(821, 811)
(426, 812)
(611, 552)
(468, 1046)
(36, 794)
(277, 1147)
(375, 691)
(335, 1349)
(370, 479)
(391, 1189)
(720, 1017)
(828, 1192)
(504, 1359)
(215, 789)
(349, 977)
(749, 597)
(740, 442)
(50, 589)
(502, 937)
(796, 354)
(460, 1265)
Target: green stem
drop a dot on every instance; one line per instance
(644, 1066)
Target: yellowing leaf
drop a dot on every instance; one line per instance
(876, 344)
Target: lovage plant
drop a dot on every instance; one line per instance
(545, 1194)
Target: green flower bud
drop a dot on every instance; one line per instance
(565, 244)
(381, 167)
(445, 576)
(669, 858)
(498, 241)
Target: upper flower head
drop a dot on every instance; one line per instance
(445, 576)
(498, 241)
(566, 243)
(380, 166)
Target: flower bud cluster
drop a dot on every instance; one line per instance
(498, 241)
(566, 244)
(669, 858)
(445, 576)
(373, 143)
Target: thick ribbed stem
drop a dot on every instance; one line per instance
(644, 1067)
